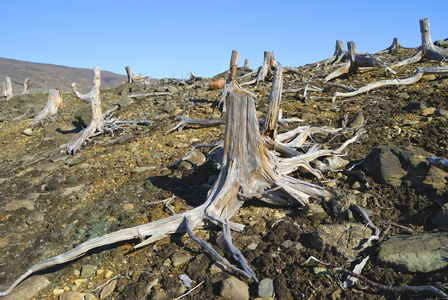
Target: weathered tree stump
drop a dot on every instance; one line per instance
(394, 48)
(340, 55)
(427, 49)
(54, 103)
(133, 78)
(8, 88)
(26, 86)
(354, 62)
(266, 68)
(390, 82)
(246, 66)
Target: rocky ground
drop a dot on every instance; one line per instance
(50, 203)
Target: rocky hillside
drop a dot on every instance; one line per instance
(50, 203)
(46, 76)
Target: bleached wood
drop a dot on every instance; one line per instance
(339, 55)
(54, 103)
(3, 89)
(420, 72)
(354, 62)
(427, 48)
(149, 94)
(246, 66)
(134, 78)
(272, 116)
(26, 86)
(97, 124)
(8, 88)
(266, 67)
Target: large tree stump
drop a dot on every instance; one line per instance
(340, 55)
(26, 86)
(97, 124)
(354, 62)
(266, 68)
(133, 78)
(427, 49)
(54, 103)
(8, 88)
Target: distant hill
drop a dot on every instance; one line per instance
(46, 76)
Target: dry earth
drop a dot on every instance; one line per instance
(49, 203)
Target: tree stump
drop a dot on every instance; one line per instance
(8, 89)
(339, 55)
(133, 78)
(427, 49)
(54, 103)
(26, 86)
(354, 62)
(266, 68)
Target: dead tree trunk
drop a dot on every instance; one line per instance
(266, 68)
(427, 49)
(246, 66)
(133, 78)
(8, 88)
(394, 48)
(404, 81)
(97, 124)
(54, 103)
(26, 86)
(355, 61)
(339, 55)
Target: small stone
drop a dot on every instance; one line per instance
(128, 206)
(35, 217)
(178, 260)
(108, 275)
(441, 112)
(28, 289)
(357, 121)
(234, 289)
(428, 111)
(17, 204)
(88, 271)
(32, 196)
(441, 219)
(58, 292)
(4, 242)
(252, 246)
(141, 169)
(28, 132)
(77, 296)
(336, 162)
(209, 110)
(414, 105)
(172, 89)
(286, 244)
(124, 139)
(125, 101)
(266, 288)
(108, 289)
(147, 289)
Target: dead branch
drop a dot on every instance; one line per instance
(354, 62)
(427, 49)
(54, 103)
(395, 289)
(149, 94)
(388, 82)
(133, 78)
(26, 86)
(184, 121)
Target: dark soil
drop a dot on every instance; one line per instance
(112, 196)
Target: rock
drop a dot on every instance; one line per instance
(266, 288)
(336, 162)
(345, 239)
(73, 189)
(340, 205)
(32, 196)
(172, 89)
(35, 217)
(414, 106)
(384, 167)
(218, 84)
(108, 289)
(125, 101)
(441, 112)
(17, 204)
(147, 289)
(195, 159)
(169, 107)
(125, 138)
(357, 121)
(127, 206)
(27, 289)
(178, 260)
(49, 166)
(416, 253)
(428, 111)
(234, 289)
(441, 43)
(315, 213)
(141, 169)
(88, 271)
(287, 244)
(441, 219)
(28, 132)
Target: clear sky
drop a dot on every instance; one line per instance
(172, 38)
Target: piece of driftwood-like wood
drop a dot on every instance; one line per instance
(54, 103)
(272, 115)
(184, 121)
(8, 90)
(149, 94)
(427, 49)
(134, 78)
(340, 55)
(26, 86)
(390, 82)
(97, 124)
(354, 62)
(266, 68)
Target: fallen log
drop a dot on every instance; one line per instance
(54, 103)
(382, 83)
(427, 49)
(354, 62)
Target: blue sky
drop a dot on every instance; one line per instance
(172, 38)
